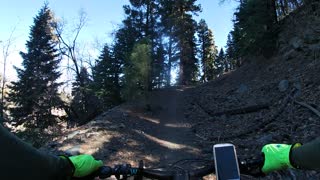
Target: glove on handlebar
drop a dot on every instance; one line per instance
(277, 157)
(84, 165)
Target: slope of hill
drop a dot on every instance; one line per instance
(273, 100)
(267, 100)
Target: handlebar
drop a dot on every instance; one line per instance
(250, 167)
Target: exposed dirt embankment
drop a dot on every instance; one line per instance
(273, 100)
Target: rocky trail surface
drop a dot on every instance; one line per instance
(157, 133)
(277, 104)
(244, 108)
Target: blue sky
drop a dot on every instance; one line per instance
(103, 15)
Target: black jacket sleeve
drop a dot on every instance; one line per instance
(307, 156)
(21, 161)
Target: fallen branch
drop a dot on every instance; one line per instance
(242, 110)
(264, 124)
(309, 107)
(201, 137)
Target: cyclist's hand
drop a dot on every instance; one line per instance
(277, 157)
(85, 165)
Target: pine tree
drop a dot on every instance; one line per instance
(144, 17)
(125, 39)
(158, 68)
(167, 11)
(85, 105)
(220, 63)
(171, 57)
(207, 51)
(185, 31)
(180, 24)
(106, 78)
(255, 26)
(137, 73)
(230, 52)
(35, 94)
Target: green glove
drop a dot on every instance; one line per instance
(85, 165)
(277, 157)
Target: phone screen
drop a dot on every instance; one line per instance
(226, 163)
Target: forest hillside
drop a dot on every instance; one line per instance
(267, 100)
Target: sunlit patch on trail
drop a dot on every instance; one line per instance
(170, 145)
(152, 158)
(81, 144)
(178, 125)
(132, 157)
(142, 116)
(153, 120)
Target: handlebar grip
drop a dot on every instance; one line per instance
(124, 170)
(252, 166)
(104, 172)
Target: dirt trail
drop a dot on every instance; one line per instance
(159, 135)
(174, 131)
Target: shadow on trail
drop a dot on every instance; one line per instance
(159, 139)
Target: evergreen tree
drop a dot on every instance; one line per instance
(231, 53)
(185, 31)
(82, 82)
(188, 61)
(207, 51)
(125, 39)
(158, 68)
(255, 26)
(171, 58)
(85, 105)
(179, 23)
(106, 78)
(137, 73)
(220, 63)
(167, 12)
(144, 17)
(35, 94)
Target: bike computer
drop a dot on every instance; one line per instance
(226, 163)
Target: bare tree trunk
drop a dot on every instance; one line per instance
(169, 61)
(204, 64)
(148, 35)
(5, 52)
(273, 10)
(68, 49)
(148, 14)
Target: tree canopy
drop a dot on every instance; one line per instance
(157, 38)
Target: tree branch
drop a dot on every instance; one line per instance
(309, 107)
(241, 110)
